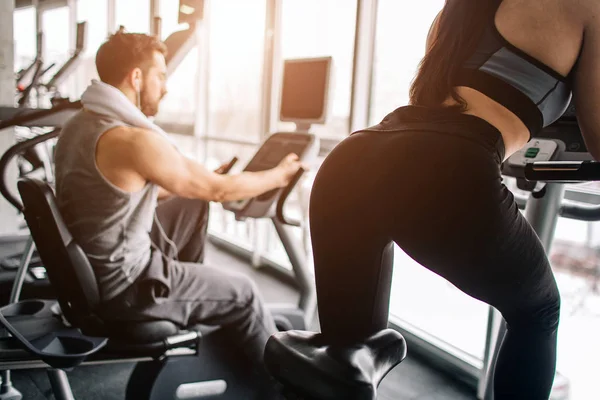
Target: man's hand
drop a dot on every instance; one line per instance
(224, 168)
(288, 168)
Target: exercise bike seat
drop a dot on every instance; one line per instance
(141, 332)
(311, 368)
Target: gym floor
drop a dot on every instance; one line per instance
(413, 379)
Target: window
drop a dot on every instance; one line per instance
(402, 29)
(236, 47)
(425, 302)
(134, 15)
(24, 32)
(178, 108)
(57, 43)
(318, 28)
(95, 13)
(235, 91)
(169, 15)
(575, 259)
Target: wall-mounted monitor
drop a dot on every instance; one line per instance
(305, 90)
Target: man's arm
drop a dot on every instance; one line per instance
(163, 193)
(149, 156)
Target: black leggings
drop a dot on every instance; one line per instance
(430, 182)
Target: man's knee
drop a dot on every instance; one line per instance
(247, 290)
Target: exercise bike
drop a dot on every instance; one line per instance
(311, 368)
(172, 361)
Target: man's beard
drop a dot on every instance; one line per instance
(148, 107)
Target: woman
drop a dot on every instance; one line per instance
(428, 178)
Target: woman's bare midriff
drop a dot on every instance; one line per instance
(514, 132)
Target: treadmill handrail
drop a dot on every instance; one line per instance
(64, 71)
(32, 116)
(48, 68)
(34, 81)
(22, 73)
(73, 61)
(7, 157)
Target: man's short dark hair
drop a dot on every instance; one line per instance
(123, 52)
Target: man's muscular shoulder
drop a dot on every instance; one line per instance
(116, 152)
(127, 142)
(122, 138)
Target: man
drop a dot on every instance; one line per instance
(111, 165)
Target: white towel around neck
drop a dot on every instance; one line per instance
(107, 100)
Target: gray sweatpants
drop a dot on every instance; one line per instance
(177, 286)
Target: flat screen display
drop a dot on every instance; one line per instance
(305, 88)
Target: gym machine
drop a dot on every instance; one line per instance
(54, 118)
(37, 66)
(191, 363)
(555, 157)
(304, 101)
(69, 66)
(36, 71)
(308, 367)
(276, 147)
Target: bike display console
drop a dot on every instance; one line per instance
(561, 141)
(270, 154)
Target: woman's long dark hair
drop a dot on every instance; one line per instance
(459, 30)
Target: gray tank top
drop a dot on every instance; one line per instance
(111, 225)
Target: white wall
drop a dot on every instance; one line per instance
(8, 220)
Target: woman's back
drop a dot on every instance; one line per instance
(551, 32)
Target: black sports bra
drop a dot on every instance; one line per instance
(534, 92)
